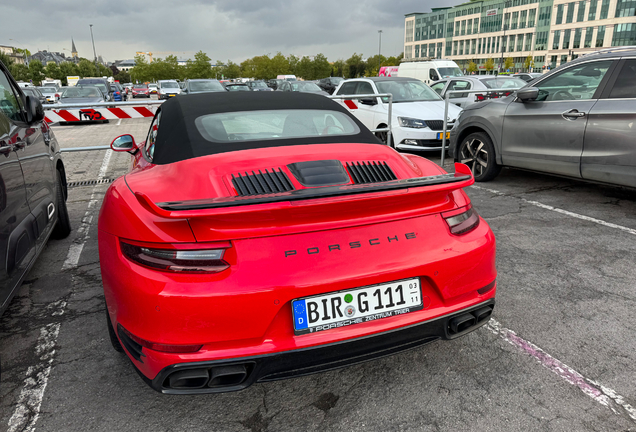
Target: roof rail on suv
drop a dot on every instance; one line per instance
(613, 49)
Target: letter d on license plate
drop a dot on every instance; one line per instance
(355, 306)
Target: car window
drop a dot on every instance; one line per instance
(503, 83)
(407, 91)
(576, 83)
(625, 86)
(152, 136)
(10, 103)
(364, 88)
(273, 124)
(438, 87)
(459, 85)
(348, 88)
(433, 75)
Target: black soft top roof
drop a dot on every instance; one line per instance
(179, 139)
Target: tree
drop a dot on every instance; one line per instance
(279, 65)
(52, 70)
(141, 71)
(4, 58)
(373, 65)
(338, 68)
(304, 69)
(248, 68)
(529, 63)
(354, 66)
(199, 67)
(509, 63)
(123, 77)
(103, 70)
(68, 69)
(19, 71)
(229, 70)
(322, 68)
(489, 65)
(85, 68)
(36, 71)
(472, 67)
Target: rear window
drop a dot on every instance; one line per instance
(504, 83)
(273, 124)
(206, 86)
(139, 86)
(169, 85)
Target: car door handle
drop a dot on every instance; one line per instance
(19, 145)
(5, 150)
(573, 114)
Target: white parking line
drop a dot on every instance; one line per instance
(75, 250)
(601, 394)
(565, 212)
(27, 411)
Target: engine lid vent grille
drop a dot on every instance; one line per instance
(261, 183)
(370, 172)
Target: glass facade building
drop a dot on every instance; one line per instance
(548, 32)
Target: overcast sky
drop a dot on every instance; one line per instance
(224, 29)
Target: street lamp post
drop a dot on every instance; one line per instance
(502, 44)
(380, 51)
(93, 40)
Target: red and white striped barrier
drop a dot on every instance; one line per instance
(76, 115)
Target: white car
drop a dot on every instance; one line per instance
(168, 88)
(417, 115)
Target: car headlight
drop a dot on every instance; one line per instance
(411, 123)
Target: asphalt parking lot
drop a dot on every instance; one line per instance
(559, 354)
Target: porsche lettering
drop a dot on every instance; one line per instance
(352, 245)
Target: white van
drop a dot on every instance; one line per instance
(287, 77)
(429, 71)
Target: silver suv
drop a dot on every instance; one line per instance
(577, 121)
(168, 88)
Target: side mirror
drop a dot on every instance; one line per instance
(369, 101)
(528, 94)
(35, 112)
(123, 143)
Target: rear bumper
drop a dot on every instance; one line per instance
(236, 374)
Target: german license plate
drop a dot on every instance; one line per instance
(439, 135)
(355, 306)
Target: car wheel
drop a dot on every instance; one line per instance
(478, 153)
(382, 136)
(111, 334)
(63, 225)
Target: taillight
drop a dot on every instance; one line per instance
(57, 95)
(167, 348)
(186, 259)
(462, 220)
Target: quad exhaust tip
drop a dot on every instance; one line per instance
(469, 321)
(214, 377)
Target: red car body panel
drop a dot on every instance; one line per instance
(281, 251)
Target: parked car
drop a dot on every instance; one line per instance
(32, 185)
(153, 88)
(274, 83)
(329, 84)
(205, 225)
(168, 88)
(258, 86)
(488, 83)
(575, 121)
(418, 112)
(83, 94)
(140, 90)
(232, 87)
(103, 85)
(286, 77)
(527, 76)
(118, 92)
(36, 93)
(203, 86)
(51, 93)
(301, 86)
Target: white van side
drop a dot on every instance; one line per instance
(429, 71)
(287, 77)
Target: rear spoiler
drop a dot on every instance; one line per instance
(184, 209)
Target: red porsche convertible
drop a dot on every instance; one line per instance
(266, 235)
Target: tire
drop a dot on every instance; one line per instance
(478, 153)
(62, 227)
(382, 136)
(112, 336)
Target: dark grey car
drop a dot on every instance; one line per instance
(577, 121)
